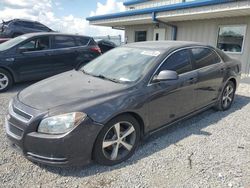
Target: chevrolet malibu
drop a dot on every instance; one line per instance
(103, 110)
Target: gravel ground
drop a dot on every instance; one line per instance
(209, 150)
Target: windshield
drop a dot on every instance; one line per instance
(11, 43)
(122, 64)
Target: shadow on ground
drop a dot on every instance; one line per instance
(158, 141)
(18, 87)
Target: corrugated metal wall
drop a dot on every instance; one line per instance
(206, 31)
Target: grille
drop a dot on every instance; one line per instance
(21, 113)
(15, 130)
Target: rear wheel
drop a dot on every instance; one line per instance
(117, 141)
(6, 80)
(227, 97)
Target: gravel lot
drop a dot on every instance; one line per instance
(209, 150)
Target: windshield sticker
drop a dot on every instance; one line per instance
(124, 79)
(151, 53)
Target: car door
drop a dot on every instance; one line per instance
(64, 54)
(210, 68)
(32, 61)
(169, 100)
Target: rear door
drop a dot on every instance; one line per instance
(173, 99)
(210, 68)
(64, 54)
(32, 61)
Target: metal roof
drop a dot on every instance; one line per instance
(134, 2)
(178, 6)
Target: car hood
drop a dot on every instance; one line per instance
(67, 88)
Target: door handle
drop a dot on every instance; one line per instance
(10, 59)
(48, 54)
(222, 70)
(192, 80)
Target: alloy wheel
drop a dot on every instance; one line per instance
(4, 81)
(228, 96)
(119, 141)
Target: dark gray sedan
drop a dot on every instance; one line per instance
(102, 111)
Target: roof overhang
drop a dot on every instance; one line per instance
(195, 10)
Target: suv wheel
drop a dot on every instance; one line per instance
(227, 97)
(117, 141)
(6, 80)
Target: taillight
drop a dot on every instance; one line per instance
(96, 49)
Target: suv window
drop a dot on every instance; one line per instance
(81, 41)
(204, 57)
(36, 44)
(179, 62)
(39, 26)
(23, 24)
(64, 42)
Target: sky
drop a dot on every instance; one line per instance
(66, 16)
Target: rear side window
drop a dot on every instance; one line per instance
(92, 43)
(64, 42)
(24, 24)
(204, 57)
(40, 26)
(82, 41)
(179, 62)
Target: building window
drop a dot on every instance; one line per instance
(231, 38)
(140, 36)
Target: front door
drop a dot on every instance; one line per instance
(169, 100)
(32, 60)
(159, 34)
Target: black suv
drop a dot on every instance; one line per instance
(36, 56)
(16, 27)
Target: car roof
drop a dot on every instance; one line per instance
(37, 34)
(164, 45)
(24, 20)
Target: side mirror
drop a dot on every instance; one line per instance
(166, 75)
(22, 50)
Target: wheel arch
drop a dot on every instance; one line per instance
(139, 119)
(234, 81)
(9, 71)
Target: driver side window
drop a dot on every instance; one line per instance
(179, 61)
(36, 44)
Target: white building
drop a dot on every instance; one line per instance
(221, 23)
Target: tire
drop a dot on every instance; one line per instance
(6, 80)
(227, 97)
(104, 151)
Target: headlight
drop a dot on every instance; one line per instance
(61, 124)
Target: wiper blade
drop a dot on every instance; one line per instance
(106, 78)
(102, 77)
(86, 72)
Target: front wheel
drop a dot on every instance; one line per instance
(117, 141)
(227, 97)
(6, 80)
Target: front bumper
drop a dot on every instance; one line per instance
(70, 149)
